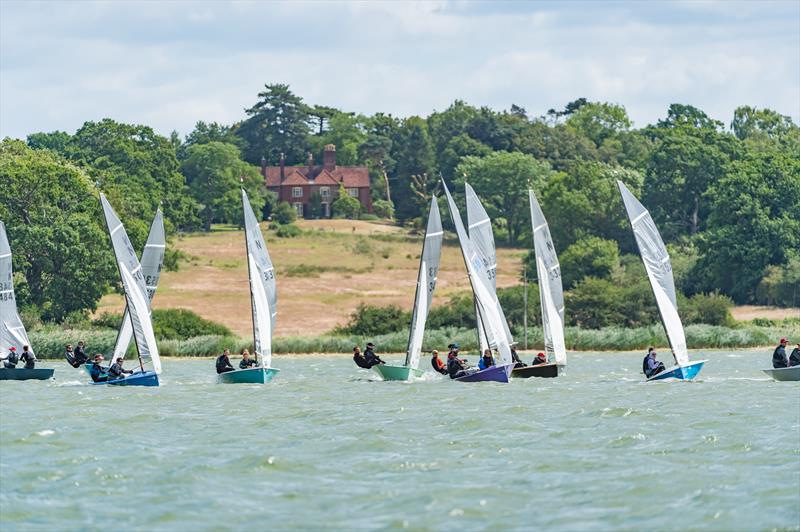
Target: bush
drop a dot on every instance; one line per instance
(180, 324)
(284, 213)
(368, 217)
(596, 303)
(588, 257)
(458, 312)
(346, 206)
(173, 258)
(107, 320)
(361, 247)
(383, 209)
(372, 320)
(711, 309)
(780, 285)
(288, 231)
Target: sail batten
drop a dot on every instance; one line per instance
(659, 272)
(426, 283)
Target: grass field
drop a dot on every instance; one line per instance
(322, 275)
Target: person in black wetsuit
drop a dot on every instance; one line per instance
(455, 366)
(116, 371)
(246, 361)
(27, 357)
(540, 359)
(651, 366)
(518, 363)
(779, 355)
(370, 356)
(224, 362)
(96, 371)
(436, 362)
(359, 359)
(794, 358)
(12, 358)
(77, 357)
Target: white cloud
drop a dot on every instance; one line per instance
(169, 64)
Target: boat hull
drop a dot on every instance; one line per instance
(397, 373)
(540, 370)
(490, 374)
(683, 373)
(23, 374)
(784, 374)
(248, 376)
(147, 378)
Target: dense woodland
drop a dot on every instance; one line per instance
(726, 196)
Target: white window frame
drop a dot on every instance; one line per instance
(353, 192)
(325, 192)
(297, 192)
(298, 208)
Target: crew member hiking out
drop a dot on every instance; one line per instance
(27, 357)
(437, 363)
(116, 371)
(370, 356)
(456, 367)
(651, 366)
(794, 358)
(224, 362)
(96, 371)
(358, 358)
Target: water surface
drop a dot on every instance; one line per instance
(326, 445)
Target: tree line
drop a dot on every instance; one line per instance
(726, 197)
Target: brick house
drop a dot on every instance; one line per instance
(296, 184)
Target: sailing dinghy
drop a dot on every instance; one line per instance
(551, 298)
(263, 298)
(426, 282)
(488, 306)
(138, 303)
(659, 273)
(12, 331)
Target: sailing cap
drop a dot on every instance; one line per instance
(12, 348)
(453, 346)
(370, 344)
(784, 340)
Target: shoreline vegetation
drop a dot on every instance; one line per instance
(50, 342)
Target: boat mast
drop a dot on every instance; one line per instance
(249, 275)
(416, 298)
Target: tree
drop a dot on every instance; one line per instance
(413, 151)
(284, 213)
(57, 141)
(345, 205)
(383, 209)
(204, 133)
(55, 225)
(502, 181)
(216, 175)
(346, 132)
(277, 123)
(589, 257)
(753, 224)
(599, 121)
(680, 115)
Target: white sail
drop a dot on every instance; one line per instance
(135, 288)
(485, 297)
(482, 238)
(12, 331)
(551, 294)
(659, 272)
(426, 283)
(152, 260)
(263, 292)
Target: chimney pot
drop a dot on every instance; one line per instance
(329, 157)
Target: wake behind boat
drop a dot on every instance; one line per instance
(426, 283)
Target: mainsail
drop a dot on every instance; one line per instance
(480, 233)
(426, 282)
(488, 304)
(263, 294)
(152, 260)
(12, 331)
(659, 271)
(133, 283)
(551, 294)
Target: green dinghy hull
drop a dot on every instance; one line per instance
(397, 373)
(248, 376)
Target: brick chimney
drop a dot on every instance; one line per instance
(264, 167)
(283, 163)
(310, 163)
(329, 157)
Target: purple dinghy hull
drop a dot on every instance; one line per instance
(490, 374)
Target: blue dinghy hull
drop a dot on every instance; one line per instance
(682, 373)
(490, 374)
(148, 378)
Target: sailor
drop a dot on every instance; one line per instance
(246, 361)
(11, 359)
(224, 363)
(116, 371)
(518, 363)
(370, 356)
(651, 366)
(69, 354)
(436, 362)
(27, 357)
(457, 367)
(80, 355)
(486, 360)
(541, 358)
(358, 358)
(794, 358)
(779, 355)
(96, 371)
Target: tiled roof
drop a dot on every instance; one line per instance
(349, 176)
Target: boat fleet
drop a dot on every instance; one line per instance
(139, 279)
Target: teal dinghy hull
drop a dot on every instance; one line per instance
(784, 374)
(23, 374)
(681, 373)
(248, 376)
(146, 378)
(397, 373)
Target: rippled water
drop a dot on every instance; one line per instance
(326, 446)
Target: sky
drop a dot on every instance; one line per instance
(169, 64)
